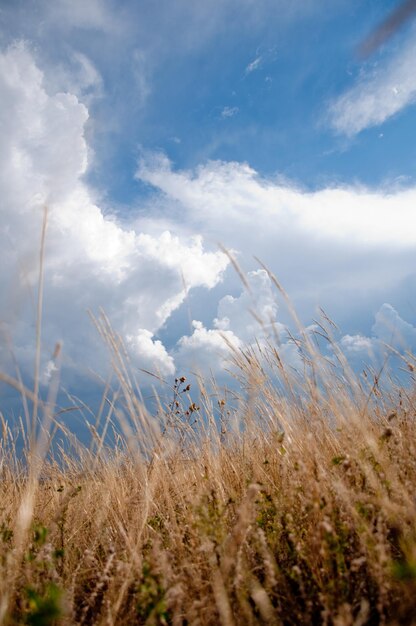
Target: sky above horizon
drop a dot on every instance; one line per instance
(155, 131)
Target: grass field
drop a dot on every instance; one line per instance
(290, 503)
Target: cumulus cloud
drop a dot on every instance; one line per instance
(246, 321)
(91, 261)
(386, 349)
(392, 330)
(206, 351)
(151, 353)
(389, 330)
(343, 248)
(378, 95)
(216, 351)
(357, 344)
(253, 312)
(239, 322)
(250, 323)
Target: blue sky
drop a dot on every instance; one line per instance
(226, 80)
(155, 130)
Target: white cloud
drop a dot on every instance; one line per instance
(389, 330)
(246, 321)
(378, 95)
(392, 330)
(206, 350)
(48, 371)
(215, 351)
(229, 112)
(347, 249)
(231, 198)
(234, 328)
(254, 65)
(253, 312)
(356, 344)
(91, 260)
(151, 354)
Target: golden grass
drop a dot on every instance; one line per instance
(295, 504)
(292, 502)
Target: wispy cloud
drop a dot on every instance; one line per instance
(254, 65)
(378, 95)
(93, 15)
(77, 75)
(141, 75)
(229, 112)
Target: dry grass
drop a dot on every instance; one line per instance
(296, 505)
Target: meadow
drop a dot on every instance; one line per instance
(291, 501)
